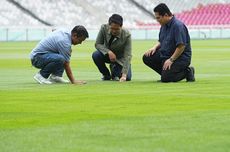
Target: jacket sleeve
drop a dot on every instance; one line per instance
(100, 41)
(127, 55)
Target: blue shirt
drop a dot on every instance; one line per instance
(171, 35)
(58, 42)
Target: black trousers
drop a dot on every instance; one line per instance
(100, 60)
(177, 72)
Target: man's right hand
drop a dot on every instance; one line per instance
(112, 56)
(79, 82)
(150, 52)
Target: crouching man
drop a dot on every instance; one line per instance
(113, 46)
(52, 55)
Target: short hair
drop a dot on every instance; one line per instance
(117, 19)
(80, 31)
(162, 9)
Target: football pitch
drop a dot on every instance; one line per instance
(138, 116)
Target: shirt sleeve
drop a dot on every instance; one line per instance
(180, 32)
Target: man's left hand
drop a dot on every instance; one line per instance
(167, 65)
(123, 78)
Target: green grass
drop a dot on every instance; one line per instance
(137, 116)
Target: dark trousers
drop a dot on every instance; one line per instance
(100, 59)
(50, 63)
(177, 72)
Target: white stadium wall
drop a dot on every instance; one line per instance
(36, 34)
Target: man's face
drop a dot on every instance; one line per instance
(115, 29)
(161, 19)
(77, 40)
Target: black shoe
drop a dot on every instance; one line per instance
(105, 78)
(190, 74)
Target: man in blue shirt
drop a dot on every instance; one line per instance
(52, 55)
(171, 56)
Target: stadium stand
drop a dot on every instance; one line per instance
(86, 12)
(91, 13)
(12, 16)
(128, 10)
(179, 5)
(212, 14)
(58, 13)
(196, 12)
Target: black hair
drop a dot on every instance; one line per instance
(117, 19)
(80, 31)
(162, 9)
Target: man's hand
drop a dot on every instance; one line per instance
(153, 49)
(112, 56)
(150, 52)
(123, 78)
(79, 82)
(167, 64)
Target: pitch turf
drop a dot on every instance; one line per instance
(137, 116)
